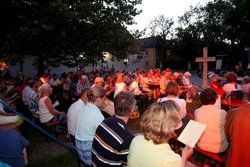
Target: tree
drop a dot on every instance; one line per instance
(56, 30)
(161, 29)
(221, 25)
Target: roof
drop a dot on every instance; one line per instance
(148, 42)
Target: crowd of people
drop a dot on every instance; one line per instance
(101, 103)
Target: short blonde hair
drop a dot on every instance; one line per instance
(95, 92)
(159, 121)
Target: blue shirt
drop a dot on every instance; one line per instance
(12, 144)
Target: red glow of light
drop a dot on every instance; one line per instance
(42, 79)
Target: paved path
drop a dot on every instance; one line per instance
(196, 79)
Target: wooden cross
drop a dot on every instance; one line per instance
(205, 59)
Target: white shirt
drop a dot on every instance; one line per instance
(134, 88)
(53, 82)
(213, 138)
(87, 122)
(228, 87)
(26, 91)
(44, 113)
(119, 87)
(181, 102)
(72, 115)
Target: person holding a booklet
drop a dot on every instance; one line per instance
(213, 138)
(151, 148)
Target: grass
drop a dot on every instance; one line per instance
(64, 160)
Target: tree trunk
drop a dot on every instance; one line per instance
(40, 65)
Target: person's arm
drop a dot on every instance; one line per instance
(186, 153)
(25, 156)
(51, 108)
(7, 114)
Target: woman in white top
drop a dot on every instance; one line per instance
(120, 85)
(231, 84)
(134, 86)
(213, 139)
(47, 113)
(172, 91)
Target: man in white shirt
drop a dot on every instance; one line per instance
(72, 114)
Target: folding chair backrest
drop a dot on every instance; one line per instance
(236, 95)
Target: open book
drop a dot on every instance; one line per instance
(191, 133)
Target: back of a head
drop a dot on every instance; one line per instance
(133, 76)
(43, 88)
(208, 96)
(172, 88)
(187, 74)
(231, 77)
(214, 80)
(124, 103)
(99, 80)
(246, 80)
(95, 92)
(159, 115)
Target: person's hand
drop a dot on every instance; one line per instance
(63, 113)
(186, 152)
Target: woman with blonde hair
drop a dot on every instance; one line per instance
(88, 120)
(47, 113)
(157, 126)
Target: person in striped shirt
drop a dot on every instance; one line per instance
(112, 137)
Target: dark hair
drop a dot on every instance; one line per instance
(208, 96)
(172, 88)
(124, 103)
(231, 77)
(83, 91)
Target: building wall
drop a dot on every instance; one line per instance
(30, 70)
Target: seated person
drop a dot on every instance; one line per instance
(213, 138)
(88, 120)
(189, 87)
(134, 86)
(9, 118)
(112, 136)
(47, 113)
(231, 84)
(172, 91)
(238, 71)
(237, 129)
(246, 85)
(13, 148)
(157, 125)
(176, 78)
(165, 78)
(99, 81)
(120, 85)
(73, 113)
(145, 84)
(215, 84)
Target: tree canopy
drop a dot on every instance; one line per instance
(58, 31)
(221, 25)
